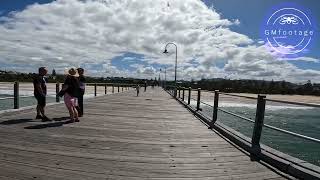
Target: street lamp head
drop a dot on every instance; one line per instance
(165, 51)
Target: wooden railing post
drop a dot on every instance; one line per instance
(95, 89)
(257, 130)
(183, 93)
(16, 95)
(57, 91)
(198, 100)
(189, 95)
(112, 88)
(179, 91)
(118, 88)
(122, 88)
(105, 88)
(215, 107)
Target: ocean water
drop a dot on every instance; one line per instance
(298, 119)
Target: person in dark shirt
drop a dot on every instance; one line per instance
(40, 93)
(82, 82)
(138, 89)
(145, 85)
(71, 90)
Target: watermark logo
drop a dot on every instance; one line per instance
(288, 30)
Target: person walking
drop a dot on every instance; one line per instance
(82, 82)
(138, 89)
(145, 85)
(70, 91)
(40, 93)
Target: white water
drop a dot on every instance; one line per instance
(254, 106)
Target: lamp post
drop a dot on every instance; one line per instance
(165, 77)
(160, 77)
(175, 69)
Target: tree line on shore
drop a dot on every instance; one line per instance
(225, 85)
(255, 86)
(10, 76)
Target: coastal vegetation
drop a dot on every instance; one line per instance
(225, 85)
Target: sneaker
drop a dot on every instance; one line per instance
(39, 116)
(45, 119)
(77, 120)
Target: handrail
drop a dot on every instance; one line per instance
(275, 100)
(16, 95)
(236, 115)
(4, 98)
(112, 83)
(274, 128)
(295, 167)
(193, 99)
(265, 125)
(235, 95)
(206, 104)
(295, 103)
(293, 133)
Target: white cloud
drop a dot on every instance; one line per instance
(307, 59)
(80, 32)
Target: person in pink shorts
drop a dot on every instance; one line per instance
(70, 91)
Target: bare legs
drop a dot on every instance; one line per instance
(73, 113)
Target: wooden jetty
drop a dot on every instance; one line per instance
(122, 136)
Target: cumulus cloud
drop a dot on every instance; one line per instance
(91, 33)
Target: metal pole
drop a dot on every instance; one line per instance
(112, 88)
(257, 130)
(118, 88)
(175, 70)
(198, 100)
(215, 106)
(183, 93)
(16, 95)
(95, 89)
(105, 88)
(165, 77)
(57, 91)
(189, 95)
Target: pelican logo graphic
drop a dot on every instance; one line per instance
(288, 31)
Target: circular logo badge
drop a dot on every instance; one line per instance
(288, 30)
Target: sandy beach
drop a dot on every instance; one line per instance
(292, 98)
(209, 96)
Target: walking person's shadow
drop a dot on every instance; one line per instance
(15, 121)
(57, 123)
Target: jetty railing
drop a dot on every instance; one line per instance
(93, 89)
(192, 99)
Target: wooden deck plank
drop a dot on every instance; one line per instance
(121, 137)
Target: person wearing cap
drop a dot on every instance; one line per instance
(70, 91)
(40, 93)
(82, 81)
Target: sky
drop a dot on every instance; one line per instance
(126, 38)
